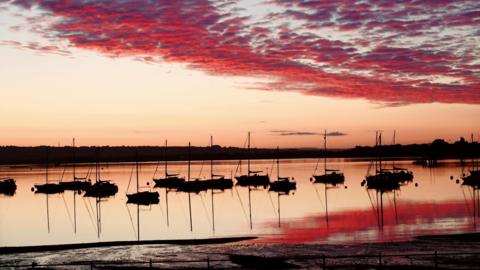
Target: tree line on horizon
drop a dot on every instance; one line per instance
(437, 149)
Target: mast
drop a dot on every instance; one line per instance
(380, 150)
(136, 163)
(73, 151)
(248, 153)
(74, 193)
(325, 152)
(46, 165)
(166, 160)
(393, 162)
(278, 163)
(188, 179)
(211, 157)
(46, 182)
(97, 171)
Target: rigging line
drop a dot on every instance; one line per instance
(129, 180)
(316, 166)
(91, 208)
(131, 221)
(273, 206)
(271, 167)
(161, 210)
(185, 214)
(375, 212)
(156, 169)
(183, 210)
(466, 201)
(241, 204)
(318, 195)
(63, 173)
(88, 211)
(205, 208)
(201, 169)
(66, 208)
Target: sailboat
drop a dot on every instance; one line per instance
(473, 179)
(142, 197)
(381, 180)
(78, 183)
(7, 186)
(329, 176)
(172, 181)
(101, 188)
(401, 175)
(48, 188)
(282, 184)
(216, 181)
(252, 178)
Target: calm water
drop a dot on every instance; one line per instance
(437, 205)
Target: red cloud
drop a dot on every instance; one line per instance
(375, 63)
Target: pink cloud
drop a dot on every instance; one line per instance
(386, 60)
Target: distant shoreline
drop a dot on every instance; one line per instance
(437, 150)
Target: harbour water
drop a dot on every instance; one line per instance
(432, 203)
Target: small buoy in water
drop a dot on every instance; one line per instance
(458, 181)
(416, 184)
(346, 187)
(79, 192)
(293, 178)
(148, 183)
(32, 189)
(311, 178)
(363, 183)
(451, 177)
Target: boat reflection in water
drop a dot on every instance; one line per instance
(331, 178)
(282, 186)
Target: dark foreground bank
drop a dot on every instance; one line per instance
(425, 252)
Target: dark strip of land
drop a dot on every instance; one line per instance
(206, 241)
(438, 149)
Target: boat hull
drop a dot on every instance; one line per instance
(330, 178)
(253, 180)
(143, 198)
(8, 186)
(101, 189)
(49, 188)
(169, 182)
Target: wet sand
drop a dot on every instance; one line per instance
(458, 251)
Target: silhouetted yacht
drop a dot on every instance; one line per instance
(473, 179)
(142, 197)
(401, 175)
(172, 181)
(101, 188)
(282, 184)
(48, 188)
(252, 178)
(382, 180)
(216, 181)
(78, 183)
(7, 186)
(329, 176)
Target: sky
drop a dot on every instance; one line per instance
(119, 72)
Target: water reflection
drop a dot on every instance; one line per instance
(352, 214)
